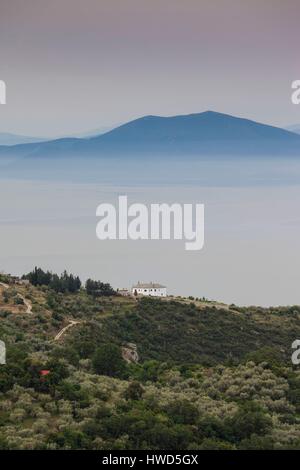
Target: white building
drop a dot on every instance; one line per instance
(150, 289)
(123, 291)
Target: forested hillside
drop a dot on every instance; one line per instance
(205, 375)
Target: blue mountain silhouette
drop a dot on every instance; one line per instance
(194, 134)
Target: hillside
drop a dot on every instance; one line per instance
(181, 333)
(208, 376)
(14, 139)
(207, 133)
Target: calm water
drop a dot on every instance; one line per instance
(251, 253)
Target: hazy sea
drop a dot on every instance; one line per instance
(252, 223)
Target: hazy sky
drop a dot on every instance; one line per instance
(73, 65)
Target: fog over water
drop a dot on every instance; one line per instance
(252, 224)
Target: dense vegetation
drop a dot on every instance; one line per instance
(67, 283)
(98, 288)
(63, 283)
(208, 376)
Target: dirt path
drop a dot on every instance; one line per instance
(71, 323)
(6, 286)
(27, 303)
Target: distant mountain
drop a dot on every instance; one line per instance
(13, 139)
(91, 133)
(195, 134)
(294, 128)
(10, 139)
(204, 126)
(96, 132)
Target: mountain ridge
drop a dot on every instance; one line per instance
(208, 132)
(9, 139)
